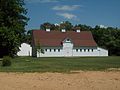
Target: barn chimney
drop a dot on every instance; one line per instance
(63, 30)
(78, 30)
(47, 29)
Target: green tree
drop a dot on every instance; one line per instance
(108, 38)
(66, 25)
(39, 49)
(9, 41)
(28, 37)
(83, 27)
(47, 25)
(12, 25)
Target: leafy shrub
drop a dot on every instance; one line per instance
(6, 61)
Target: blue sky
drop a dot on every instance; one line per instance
(89, 12)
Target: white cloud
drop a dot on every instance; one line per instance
(67, 15)
(41, 1)
(102, 26)
(66, 7)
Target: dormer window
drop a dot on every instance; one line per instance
(68, 39)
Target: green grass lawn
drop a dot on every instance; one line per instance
(29, 64)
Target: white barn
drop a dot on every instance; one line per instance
(25, 50)
(65, 44)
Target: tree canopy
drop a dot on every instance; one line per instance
(12, 25)
(64, 25)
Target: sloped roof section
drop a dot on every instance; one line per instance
(55, 38)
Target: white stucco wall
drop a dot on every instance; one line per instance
(68, 50)
(86, 52)
(102, 52)
(51, 53)
(25, 50)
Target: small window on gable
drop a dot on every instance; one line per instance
(68, 39)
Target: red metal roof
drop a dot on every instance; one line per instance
(55, 38)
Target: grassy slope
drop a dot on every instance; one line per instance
(28, 64)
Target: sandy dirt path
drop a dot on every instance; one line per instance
(89, 80)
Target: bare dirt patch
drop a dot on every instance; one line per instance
(83, 80)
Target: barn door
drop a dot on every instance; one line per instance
(68, 51)
(67, 47)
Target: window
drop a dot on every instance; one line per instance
(58, 50)
(76, 50)
(84, 50)
(80, 50)
(46, 50)
(68, 39)
(50, 50)
(92, 50)
(54, 50)
(88, 50)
